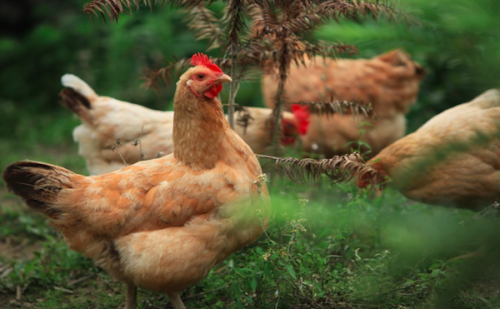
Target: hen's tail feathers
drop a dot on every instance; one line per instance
(77, 97)
(38, 184)
(77, 84)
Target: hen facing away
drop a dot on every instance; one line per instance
(160, 224)
(389, 82)
(145, 133)
(106, 120)
(452, 160)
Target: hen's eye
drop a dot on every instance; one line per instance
(200, 76)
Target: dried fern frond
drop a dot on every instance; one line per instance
(154, 79)
(308, 17)
(339, 107)
(374, 7)
(325, 49)
(339, 169)
(262, 15)
(205, 26)
(234, 18)
(355, 9)
(113, 8)
(304, 16)
(186, 3)
(167, 75)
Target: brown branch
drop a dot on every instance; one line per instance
(164, 76)
(205, 26)
(234, 17)
(113, 8)
(339, 169)
(339, 107)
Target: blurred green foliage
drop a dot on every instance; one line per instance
(110, 57)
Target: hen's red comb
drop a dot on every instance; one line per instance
(302, 114)
(202, 59)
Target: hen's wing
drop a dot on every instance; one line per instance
(338, 134)
(390, 82)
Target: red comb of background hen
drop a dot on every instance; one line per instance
(202, 59)
(302, 115)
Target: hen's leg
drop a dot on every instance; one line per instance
(131, 297)
(176, 301)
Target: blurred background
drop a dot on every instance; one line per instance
(457, 41)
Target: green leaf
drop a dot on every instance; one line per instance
(291, 271)
(253, 284)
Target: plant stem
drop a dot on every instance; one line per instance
(283, 69)
(284, 66)
(232, 89)
(277, 113)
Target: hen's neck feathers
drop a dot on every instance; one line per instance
(199, 129)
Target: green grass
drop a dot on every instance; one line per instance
(328, 246)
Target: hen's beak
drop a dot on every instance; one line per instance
(223, 79)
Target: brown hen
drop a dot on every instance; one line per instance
(160, 224)
(389, 82)
(452, 160)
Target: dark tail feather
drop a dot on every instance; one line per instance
(38, 184)
(76, 103)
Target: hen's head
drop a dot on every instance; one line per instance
(290, 129)
(205, 79)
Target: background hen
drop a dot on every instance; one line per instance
(142, 133)
(389, 82)
(453, 159)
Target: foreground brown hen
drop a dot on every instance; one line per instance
(144, 133)
(452, 160)
(389, 82)
(160, 224)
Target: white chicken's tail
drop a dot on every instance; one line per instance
(78, 97)
(76, 83)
